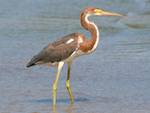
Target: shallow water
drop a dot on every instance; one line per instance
(114, 79)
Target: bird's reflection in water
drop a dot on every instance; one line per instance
(69, 109)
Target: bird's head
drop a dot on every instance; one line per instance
(99, 12)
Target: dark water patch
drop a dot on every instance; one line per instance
(136, 26)
(45, 101)
(136, 21)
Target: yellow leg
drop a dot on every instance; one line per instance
(60, 65)
(68, 85)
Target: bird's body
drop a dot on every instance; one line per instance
(65, 49)
(69, 47)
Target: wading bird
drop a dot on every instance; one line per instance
(69, 47)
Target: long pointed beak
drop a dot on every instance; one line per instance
(106, 13)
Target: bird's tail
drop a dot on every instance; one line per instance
(30, 64)
(33, 61)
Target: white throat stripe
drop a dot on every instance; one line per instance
(97, 31)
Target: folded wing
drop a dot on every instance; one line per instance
(56, 51)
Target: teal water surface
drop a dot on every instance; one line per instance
(114, 79)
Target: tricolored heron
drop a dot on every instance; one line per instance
(70, 47)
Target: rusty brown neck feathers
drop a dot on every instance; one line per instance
(91, 44)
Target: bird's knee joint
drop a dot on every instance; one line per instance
(54, 87)
(67, 83)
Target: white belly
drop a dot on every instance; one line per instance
(74, 55)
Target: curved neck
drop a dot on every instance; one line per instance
(91, 44)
